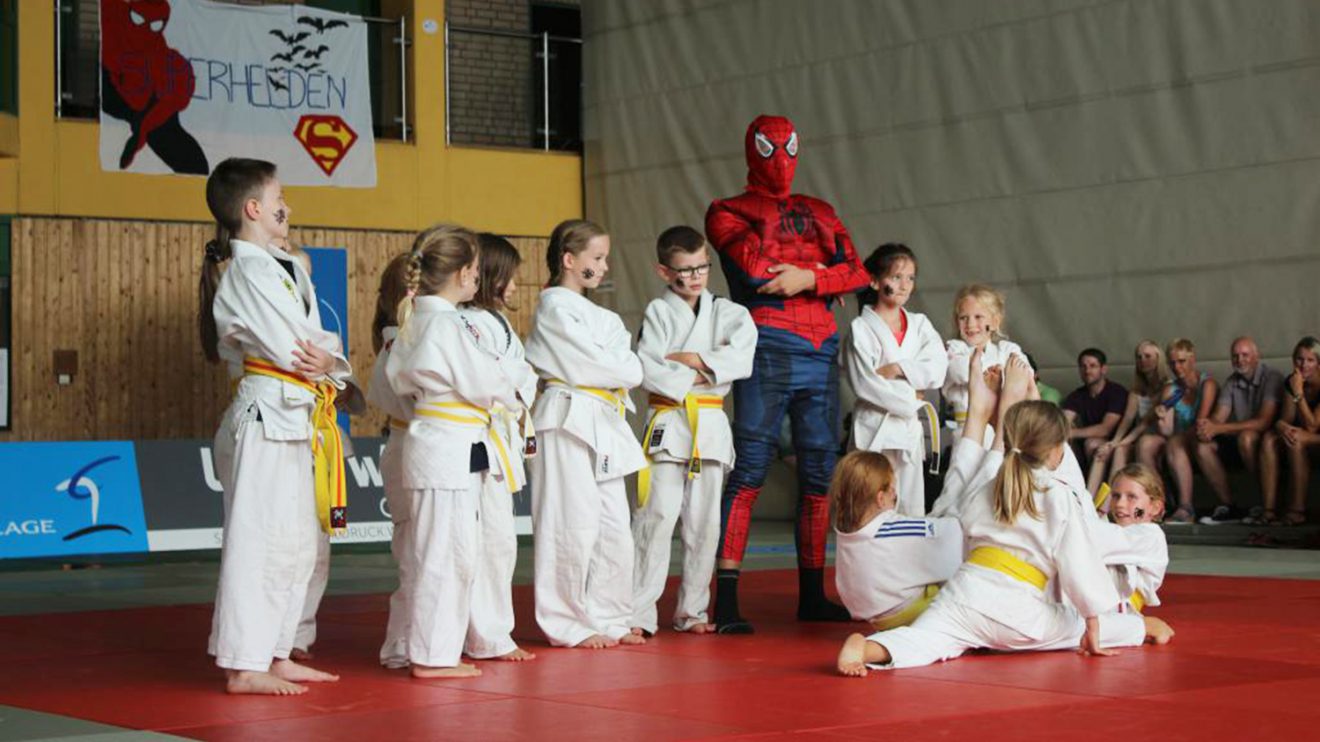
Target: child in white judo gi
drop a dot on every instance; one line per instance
(278, 450)
(890, 356)
(693, 346)
(978, 317)
(490, 629)
(887, 566)
(1133, 545)
(1023, 529)
(452, 444)
(582, 539)
(384, 329)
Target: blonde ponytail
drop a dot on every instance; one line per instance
(438, 253)
(1033, 430)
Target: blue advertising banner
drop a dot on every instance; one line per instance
(70, 498)
(330, 276)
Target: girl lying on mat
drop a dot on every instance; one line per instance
(1023, 527)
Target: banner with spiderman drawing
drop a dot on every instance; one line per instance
(187, 83)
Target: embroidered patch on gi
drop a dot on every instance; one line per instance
(657, 435)
(529, 447)
(605, 464)
(471, 328)
(338, 518)
(293, 290)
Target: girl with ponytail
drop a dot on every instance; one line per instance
(580, 511)
(1024, 527)
(452, 448)
(278, 451)
(384, 330)
(490, 634)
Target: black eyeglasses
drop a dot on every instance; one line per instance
(693, 272)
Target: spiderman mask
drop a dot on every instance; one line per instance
(771, 148)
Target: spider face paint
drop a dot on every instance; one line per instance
(588, 274)
(280, 216)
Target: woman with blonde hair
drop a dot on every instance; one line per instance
(1150, 375)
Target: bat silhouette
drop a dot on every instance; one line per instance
(316, 53)
(276, 83)
(299, 48)
(308, 67)
(320, 25)
(289, 38)
(282, 57)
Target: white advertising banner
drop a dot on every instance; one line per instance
(187, 83)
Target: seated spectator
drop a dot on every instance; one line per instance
(1094, 408)
(1296, 432)
(1149, 378)
(1247, 405)
(1190, 397)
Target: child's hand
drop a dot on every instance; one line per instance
(691, 360)
(1090, 646)
(311, 361)
(890, 371)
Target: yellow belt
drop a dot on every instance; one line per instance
(463, 413)
(933, 419)
(1001, 561)
(1101, 495)
(327, 444)
(1138, 602)
(692, 405)
(614, 396)
(960, 417)
(398, 424)
(909, 613)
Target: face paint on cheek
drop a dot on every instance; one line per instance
(588, 274)
(280, 216)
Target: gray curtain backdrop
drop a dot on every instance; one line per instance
(1120, 169)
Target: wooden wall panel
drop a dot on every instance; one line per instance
(123, 295)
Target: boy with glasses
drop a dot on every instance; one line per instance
(693, 347)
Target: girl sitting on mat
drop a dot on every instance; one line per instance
(1023, 528)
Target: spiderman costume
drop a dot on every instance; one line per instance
(786, 256)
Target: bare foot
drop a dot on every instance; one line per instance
(701, 628)
(300, 655)
(1017, 377)
(260, 683)
(517, 655)
(294, 672)
(852, 658)
(461, 670)
(632, 639)
(1157, 631)
(637, 631)
(596, 641)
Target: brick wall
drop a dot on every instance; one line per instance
(490, 78)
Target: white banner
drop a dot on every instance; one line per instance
(187, 83)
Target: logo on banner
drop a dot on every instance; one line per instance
(326, 138)
(61, 499)
(82, 487)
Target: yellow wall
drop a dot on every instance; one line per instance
(57, 171)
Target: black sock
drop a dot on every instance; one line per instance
(812, 603)
(811, 585)
(726, 596)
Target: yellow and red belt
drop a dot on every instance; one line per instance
(1003, 562)
(327, 444)
(462, 413)
(909, 613)
(692, 405)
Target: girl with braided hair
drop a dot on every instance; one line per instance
(583, 354)
(452, 445)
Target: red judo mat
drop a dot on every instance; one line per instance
(1245, 664)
